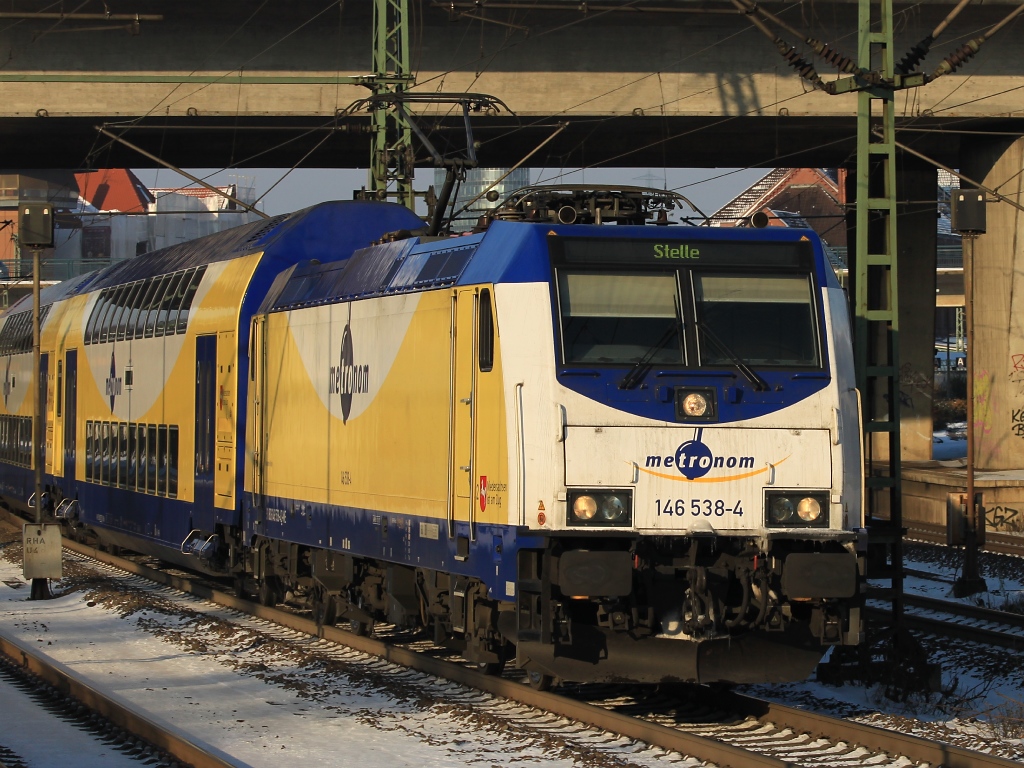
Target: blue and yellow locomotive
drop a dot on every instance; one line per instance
(604, 452)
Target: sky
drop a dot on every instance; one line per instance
(283, 191)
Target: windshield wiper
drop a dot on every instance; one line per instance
(636, 373)
(760, 385)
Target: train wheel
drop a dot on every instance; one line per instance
(360, 628)
(269, 593)
(325, 607)
(493, 668)
(539, 681)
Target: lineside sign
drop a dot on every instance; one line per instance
(42, 548)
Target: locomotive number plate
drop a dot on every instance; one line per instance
(699, 507)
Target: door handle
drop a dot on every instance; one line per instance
(465, 468)
(466, 400)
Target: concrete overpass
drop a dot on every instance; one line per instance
(643, 83)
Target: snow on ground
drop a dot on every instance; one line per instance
(266, 695)
(42, 741)
(246, 693)
(981, 704)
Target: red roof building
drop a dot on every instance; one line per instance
(114, 189)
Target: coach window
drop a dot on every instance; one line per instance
(88, 450)
(154, 304)
(151, 455)
(113, 309)
(26, 432)
(143, 459)
(186, 303)
(172, 462)
(170, 293)
(92, 327)
(122, 455)
(133, 330)
(169, 313)
(114, 452)
(139, 317)
(100, 334)
(104, 452)
(161, 462)
(125, 317)
(619, 318)
(133, 463)
(486, 344)
(176, 301)
(120, 309)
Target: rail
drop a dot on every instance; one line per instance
(118, 712)
(998, 543)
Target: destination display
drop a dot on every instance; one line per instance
(681, 252)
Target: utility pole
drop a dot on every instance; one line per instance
(968, 209)
(41, 542)
(392, 159)
(876, 299)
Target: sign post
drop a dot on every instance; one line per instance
(35, 229)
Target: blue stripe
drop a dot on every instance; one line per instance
(393, 537)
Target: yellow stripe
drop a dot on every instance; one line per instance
(710, 479)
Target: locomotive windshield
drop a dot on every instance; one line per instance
(614, 317)
(763, 319)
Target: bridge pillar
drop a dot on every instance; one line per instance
(917, 207)
(998, 289)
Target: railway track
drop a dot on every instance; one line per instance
(959, 620)
(727, 730)
(998, 543)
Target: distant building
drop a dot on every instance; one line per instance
(815, 198)
(185, 213)
(477, 181)
(106, 216)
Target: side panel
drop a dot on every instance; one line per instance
(358, 408)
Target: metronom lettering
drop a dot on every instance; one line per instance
(726, 462)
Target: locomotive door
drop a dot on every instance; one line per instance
(70, 414)
(462, 469)
(225, 419)
(206, 382)
(256, 379)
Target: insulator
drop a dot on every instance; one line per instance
(803, 67)
(835, 58)
(915, 56)
(959, 57)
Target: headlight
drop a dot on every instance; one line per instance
(613, 509)
(599, 508)
(796, 509)
(584, 508)
(808, 509)
(781, 510)
(696, 404)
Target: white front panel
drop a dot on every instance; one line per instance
(687, 478)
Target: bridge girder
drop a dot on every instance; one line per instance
(679, 84)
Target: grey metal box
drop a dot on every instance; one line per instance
(35, 224)
(968, 208)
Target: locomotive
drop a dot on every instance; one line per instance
(601, 449)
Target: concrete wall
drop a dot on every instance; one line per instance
(998, 290)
